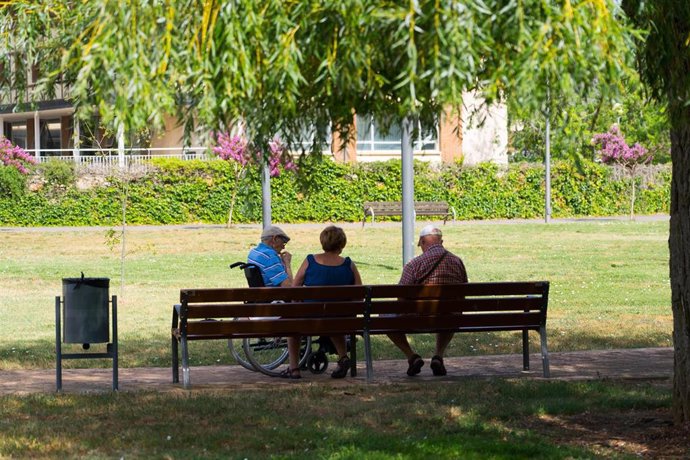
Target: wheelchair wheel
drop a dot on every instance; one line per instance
(317, 362)
(237, 351)
(266, 354)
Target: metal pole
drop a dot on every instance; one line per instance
(407, 191)
(58, 346)
(266, 195)
(37, 135)
(121, 145)
(76, 136)
(115, 350)
(547, 161)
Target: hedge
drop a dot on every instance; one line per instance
(182, 192)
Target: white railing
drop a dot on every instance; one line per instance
(115, 158)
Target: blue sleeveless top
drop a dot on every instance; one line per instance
(325, 275)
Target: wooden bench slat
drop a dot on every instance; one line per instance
(456, 305)
(284, 327)
(435, 323)
(270, 294)
(459, 290)
(287, 310)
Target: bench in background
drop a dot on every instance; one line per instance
(394, 208)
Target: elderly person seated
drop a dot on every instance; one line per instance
(329, 268)
(273, 260)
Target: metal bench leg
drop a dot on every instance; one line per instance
(525, 349)
(175, 361)
(353, 355)
(58, 346)
(116, 377)
(186, 381)
(174, 348)
(544, 352)
(367, 356)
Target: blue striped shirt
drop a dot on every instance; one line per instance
(270, 264)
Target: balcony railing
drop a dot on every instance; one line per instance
(112, 158)
(30, 94)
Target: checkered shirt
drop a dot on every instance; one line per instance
(451, 270)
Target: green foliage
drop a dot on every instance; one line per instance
(12, 183)
(59, 173)
(291, 67)
(575, 122)
(178, 192)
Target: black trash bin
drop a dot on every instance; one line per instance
(86, 318)
(89, 316)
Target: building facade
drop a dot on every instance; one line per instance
(478, 134)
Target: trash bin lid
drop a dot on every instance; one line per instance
(92, 282)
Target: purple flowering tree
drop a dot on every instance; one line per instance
(613, 150)
(236, 150)
(15, 156)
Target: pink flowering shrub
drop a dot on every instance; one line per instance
(232, 148)
(15, 156)
(279, 155)
(613, 150)
(237, 150)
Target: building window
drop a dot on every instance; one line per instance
(51, 136)
(17, 134)
(370, 138)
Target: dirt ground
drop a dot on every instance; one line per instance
(643, 433)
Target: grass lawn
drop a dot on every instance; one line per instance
(609, 282)
(609, 289)
(475, 419)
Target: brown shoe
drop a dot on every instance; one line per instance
(292, 374)
(415, 365)
(344, 364)
(437, 366)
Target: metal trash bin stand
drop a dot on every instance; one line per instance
(86, 321)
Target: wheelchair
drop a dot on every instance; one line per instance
(265, 354)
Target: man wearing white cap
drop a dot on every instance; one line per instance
(435, 265)
(272, 258)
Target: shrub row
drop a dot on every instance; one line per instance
(178, 192)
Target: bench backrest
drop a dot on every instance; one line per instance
(394, 208)
(378, 308)
(301, 310)
(470, 306)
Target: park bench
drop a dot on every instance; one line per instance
(207, 314)
(394, 208)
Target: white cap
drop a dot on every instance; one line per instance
(430, 230)
(272, 231)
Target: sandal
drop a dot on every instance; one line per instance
(343, 367)
(437, 366)
(415, 365)
(292, 374)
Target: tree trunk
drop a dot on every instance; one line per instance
(679, 247)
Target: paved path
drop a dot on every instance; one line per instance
(640, 363)
(320, 225)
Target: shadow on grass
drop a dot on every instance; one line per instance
(470, 419)
(386, 267)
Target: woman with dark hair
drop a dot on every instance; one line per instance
(326, 269)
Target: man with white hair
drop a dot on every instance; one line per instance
(271, 257)
(435, 265)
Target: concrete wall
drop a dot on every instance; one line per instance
(484, 131)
